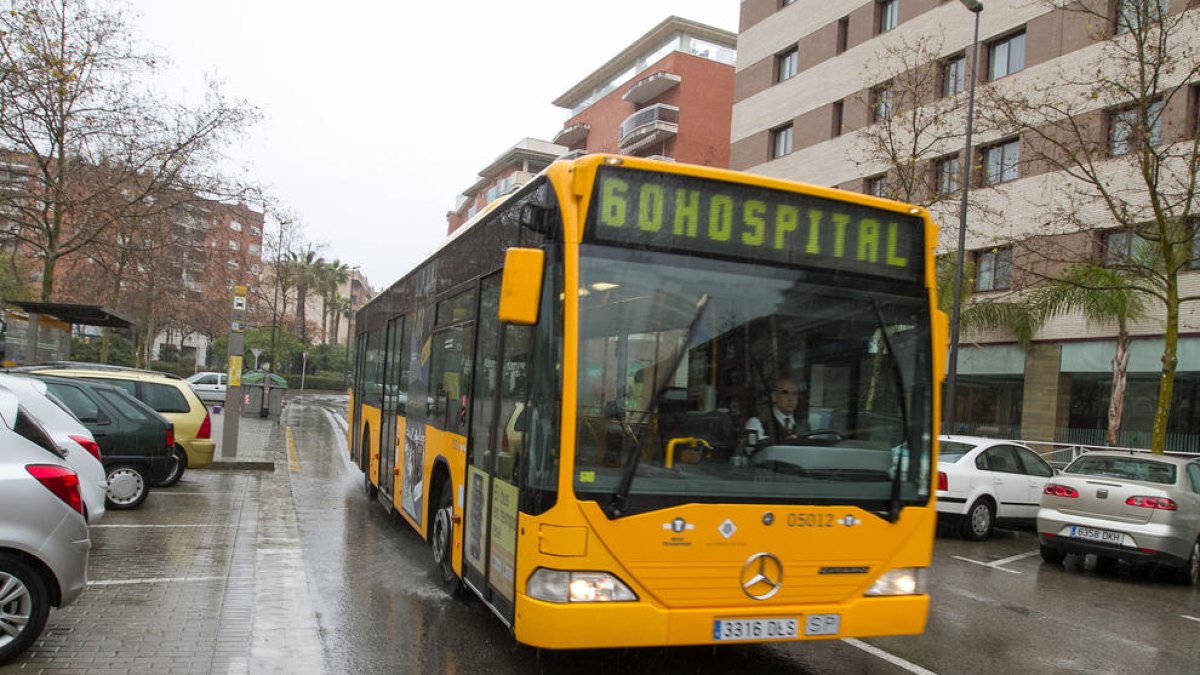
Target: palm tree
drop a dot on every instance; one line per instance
(1104, 295)
(333, 275)
(304, 265)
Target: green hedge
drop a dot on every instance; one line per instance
(317, 383)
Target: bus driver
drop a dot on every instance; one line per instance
(785, 423)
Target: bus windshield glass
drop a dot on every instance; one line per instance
(706, 380)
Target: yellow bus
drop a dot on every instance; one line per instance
(577, 402)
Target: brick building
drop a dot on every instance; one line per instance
(667, 95)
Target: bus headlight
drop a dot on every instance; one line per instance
(563, 586)
(901, 581)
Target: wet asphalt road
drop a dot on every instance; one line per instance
(996, 607)
(297, 571)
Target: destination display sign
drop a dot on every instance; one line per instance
(695, 215)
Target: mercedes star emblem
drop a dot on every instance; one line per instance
(762, 575)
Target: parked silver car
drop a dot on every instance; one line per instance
(44, 540)
(1125, 506)
(82, 452)
(209, 386)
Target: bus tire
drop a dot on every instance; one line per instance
(441, 540)
(365, 453)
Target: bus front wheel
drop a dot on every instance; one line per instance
(441, 540)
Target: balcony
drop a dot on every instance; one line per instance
(654, 124)
(572, 134)
(649, 88)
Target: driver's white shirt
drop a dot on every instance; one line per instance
(754, 424)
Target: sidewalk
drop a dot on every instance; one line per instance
(258, 443)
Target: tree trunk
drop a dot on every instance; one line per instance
(48, 265)
(1166, 383)
(1120, 371)
(301, 301)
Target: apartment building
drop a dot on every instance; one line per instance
(667, 95)
(822, 90)
(512, 169)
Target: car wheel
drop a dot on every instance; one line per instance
(1054, 556)
(24, 606)
(127, 487)
(178, 466)
(979, 521)
(441, 540)
(1189, 573)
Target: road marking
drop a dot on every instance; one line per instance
(888, 656)
(293, 456)
(178, 525)
(999, 564)
(1190, 618)
(160, 580)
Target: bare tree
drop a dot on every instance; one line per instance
(914, 121)
(96, 149)
(1114, 134)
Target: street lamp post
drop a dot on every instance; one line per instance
(975, 6)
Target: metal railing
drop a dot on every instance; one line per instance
(659, 112)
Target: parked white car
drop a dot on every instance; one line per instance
(981, 481)
(210, 387)
(82, 451)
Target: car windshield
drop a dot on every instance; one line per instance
(687, 361)
(1128, 468)
(952, 451)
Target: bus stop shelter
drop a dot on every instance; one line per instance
(37, 332)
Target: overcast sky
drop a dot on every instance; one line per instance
(378, 113)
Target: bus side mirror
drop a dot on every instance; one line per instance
(521, 286)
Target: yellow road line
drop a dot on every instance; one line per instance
(293, 456)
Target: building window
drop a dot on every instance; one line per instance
(993, 269)
(877, 186)
(1133, 14)
(1125, 129)
(1000, 162)
(781, 142)
(234, 246)
(1006, 56)
(839, 110)
(256, 230)
(949, 174)
(787, 64)
(1122, 248)
(235, 226)
(889, 14)
(785, 3)
(843, 34)
(881, 102)
(954, 75)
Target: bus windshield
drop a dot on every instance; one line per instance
(710, 381)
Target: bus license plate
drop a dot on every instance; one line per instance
(1093, 534)
(755, 629)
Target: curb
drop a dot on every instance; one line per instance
(225, 465)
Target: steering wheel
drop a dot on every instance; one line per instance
(823, 435)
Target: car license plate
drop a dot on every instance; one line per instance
(755, 629)
(1092, 534)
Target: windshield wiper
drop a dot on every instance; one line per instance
(897, 479)
(616, 505)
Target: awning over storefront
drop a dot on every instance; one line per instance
(82, 315)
